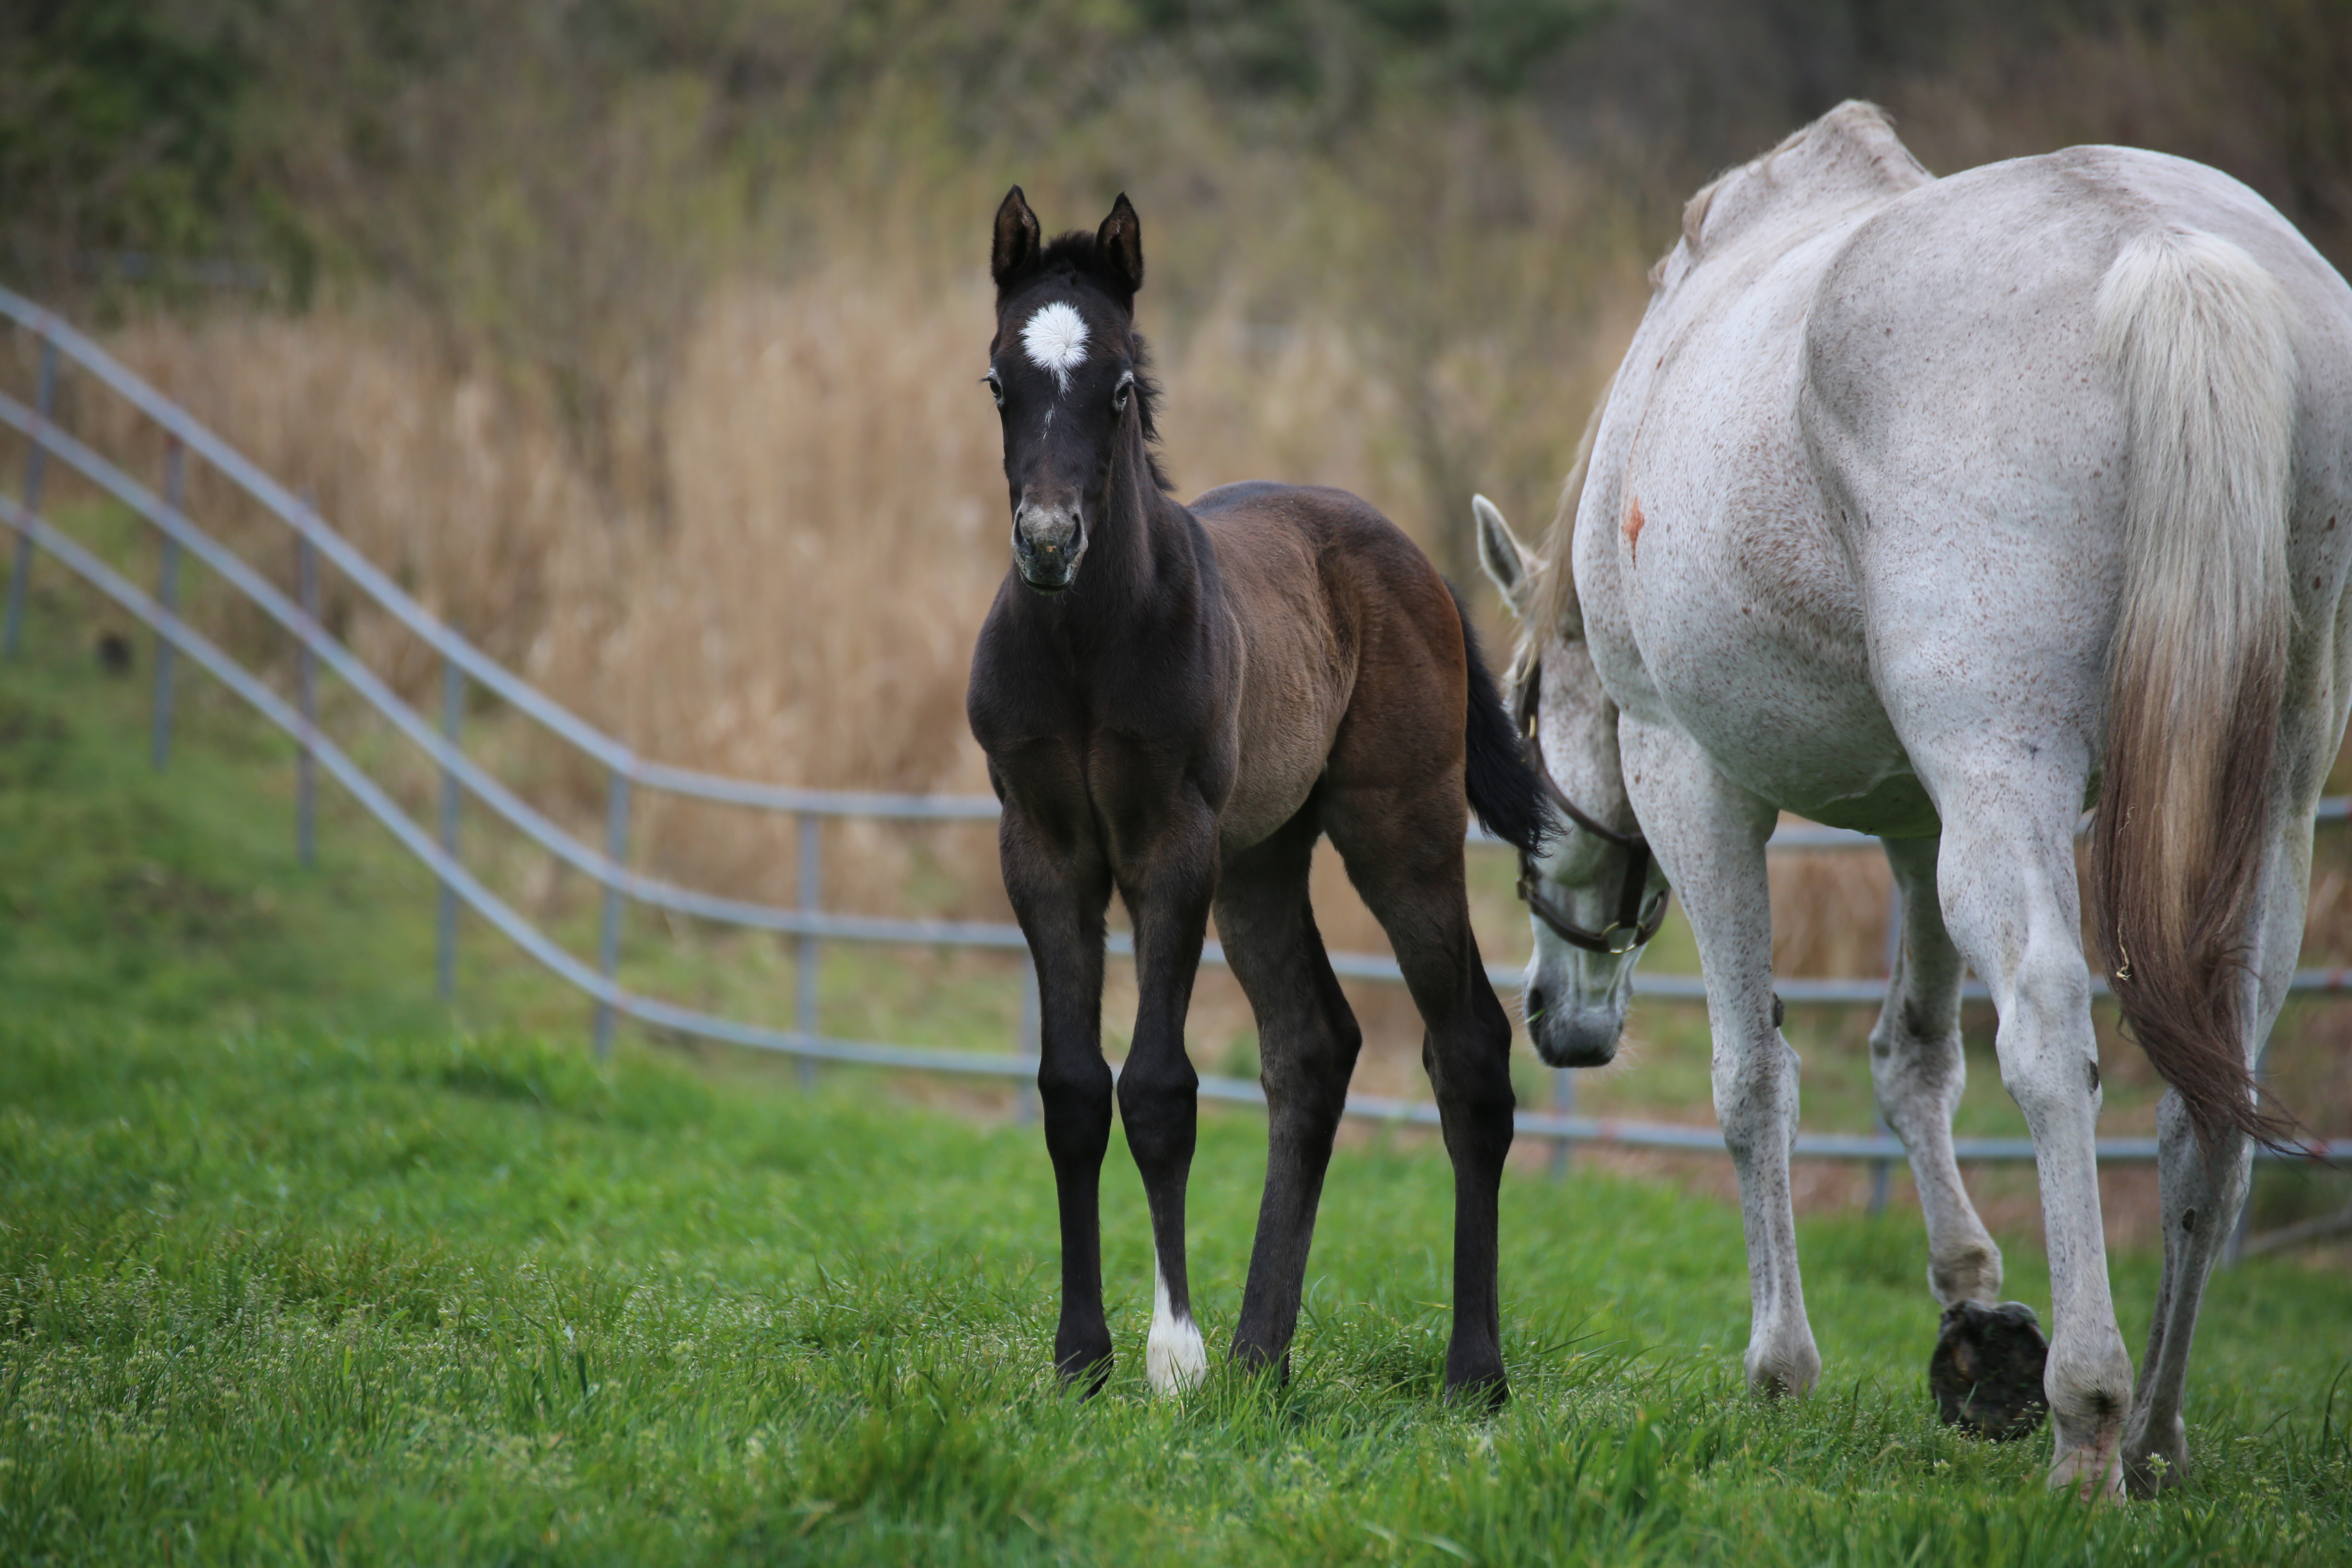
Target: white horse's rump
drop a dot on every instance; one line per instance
(1915, 507)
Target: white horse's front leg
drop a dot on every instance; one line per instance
(1709, 836)
(1917, 1070)
(2007, 879)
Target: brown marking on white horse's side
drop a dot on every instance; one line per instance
(1634, 521)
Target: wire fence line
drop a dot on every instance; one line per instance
(808, 923)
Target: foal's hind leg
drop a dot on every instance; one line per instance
(2200, 1192)
(1403, 852)
(1307, 1042)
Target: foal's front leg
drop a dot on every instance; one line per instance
(1059, 886)
(1709, 836)
(1168, 878)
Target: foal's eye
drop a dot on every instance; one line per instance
(995, 388)
(1119, 395)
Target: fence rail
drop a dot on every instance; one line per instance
(464, 667)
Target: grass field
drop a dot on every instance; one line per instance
(294, 1269)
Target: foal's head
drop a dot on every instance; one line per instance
(1071, 382)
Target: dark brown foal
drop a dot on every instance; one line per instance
(1178, 722)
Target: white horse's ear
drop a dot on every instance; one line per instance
(1506, 559)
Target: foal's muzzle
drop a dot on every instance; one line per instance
(1048, 541)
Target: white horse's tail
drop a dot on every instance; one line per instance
(2197, 334)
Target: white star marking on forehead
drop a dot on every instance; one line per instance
(1056, 338)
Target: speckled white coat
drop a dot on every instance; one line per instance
(1851, 544)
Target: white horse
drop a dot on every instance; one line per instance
(1925, 507)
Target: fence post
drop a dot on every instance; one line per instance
(167, 594)
(445, 924)
(1881, 1170)
(37, 456)
(1563, 1103)
(1033, 1038)
(608, 940)
(306, 685)
(2242, 1230)
(805, 997)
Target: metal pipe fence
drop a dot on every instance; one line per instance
(465, 669)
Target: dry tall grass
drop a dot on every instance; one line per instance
(819, 517)
(835, 529)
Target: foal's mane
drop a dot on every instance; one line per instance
(1077, 257)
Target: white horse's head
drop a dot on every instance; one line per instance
(1595, 895)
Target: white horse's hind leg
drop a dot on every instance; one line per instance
(1918, 1071)
(2200, 1192)
(2007, 879)
(1709, 836)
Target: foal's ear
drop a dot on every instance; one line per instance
(1507, 561)
(1016, 239)
(1119, 243)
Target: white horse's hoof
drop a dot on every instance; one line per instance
(2157, 1460)
(1988, 1370)
(2093, 1472)
(1774, 1372)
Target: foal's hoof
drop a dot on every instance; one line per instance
(1260, 1361)
(1476, 1383)
(1083, 1372)
(1987, 1370)
(1479, 1394)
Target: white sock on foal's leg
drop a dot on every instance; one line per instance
(1174, 1356)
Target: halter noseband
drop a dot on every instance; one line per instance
(1631, 928)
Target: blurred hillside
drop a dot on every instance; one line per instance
(640, 336)
(554, 190)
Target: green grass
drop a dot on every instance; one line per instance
(294, 1269)
(302, 1294)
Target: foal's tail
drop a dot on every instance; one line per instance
(2197, 334)
(1502, 784)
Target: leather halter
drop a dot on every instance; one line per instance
(1631, 928)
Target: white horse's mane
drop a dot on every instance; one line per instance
(1853, 144)
(1551, 601)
